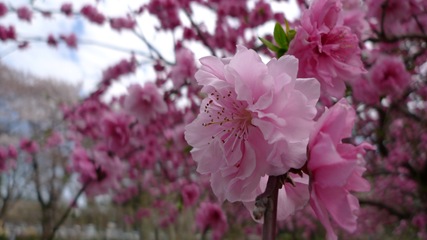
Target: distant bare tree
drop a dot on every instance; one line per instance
(29, 107)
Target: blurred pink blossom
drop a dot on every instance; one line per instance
(13, 153)
(70, 40)
(190, 194)
(184, 68)
(54, 139)
(92, 14)
(100, 170)
(29, 146)
(116, 130)
(364, 90)
(24, 13)
(7, 33)
(389, 76)
(67, 9)
(209, 216)
(144, 102)
(326, 49)
(120, 23)
(3, 9)
(335, 169)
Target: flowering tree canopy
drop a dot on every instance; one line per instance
(323, 120)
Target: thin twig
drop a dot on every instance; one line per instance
(200, 33)
(68, 210)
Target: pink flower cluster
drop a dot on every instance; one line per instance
(28, 146)
(184, 69)
(145, 103)
(166, 11)
(67, 9)
(99, 171)
(394, 18)
(70, 40)
(335, 168)
(92, 14)
(326, 48)
(120, 23)
(387, 77)
(257, 120)
(3, 9)
(7, 33)
(8, 157)
(209, 216)
(24, 13)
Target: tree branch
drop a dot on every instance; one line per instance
(266, 204)
(200, 33)
(68, 210)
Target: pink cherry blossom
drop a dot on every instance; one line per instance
(92, 14)
(335, 169)
(29, 146)
(209, 216)
(389, 76)
(116, 130)
(364, 90)
(3, 9)
(70, 40)
(67, 9)
(166, 11)
(355, 19)
(24, 13)
(255, 120)
(7, 33)
(3, 158)
(109, 170)
(190, 194)
(13, 153)
(325, 48)
(122, 23)
(52, 41)
(394, 15)
(54, 139)
(100, 170)
(184, 69)
(144, 102)
(260, 14)
(82, 164)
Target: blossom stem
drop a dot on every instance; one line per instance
(268, 201)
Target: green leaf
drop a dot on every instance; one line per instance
(269, 45)
(291, 34)
(280, 36)
(287, 25)
(281, 52)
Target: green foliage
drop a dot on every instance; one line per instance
(282, 37)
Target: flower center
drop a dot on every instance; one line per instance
(229, 115)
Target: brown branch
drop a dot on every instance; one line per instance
(152, 48)
(200, 33)
(67, 211)
(266, 204)
(37, 182)
(394, 39)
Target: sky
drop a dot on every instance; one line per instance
(84, 67)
